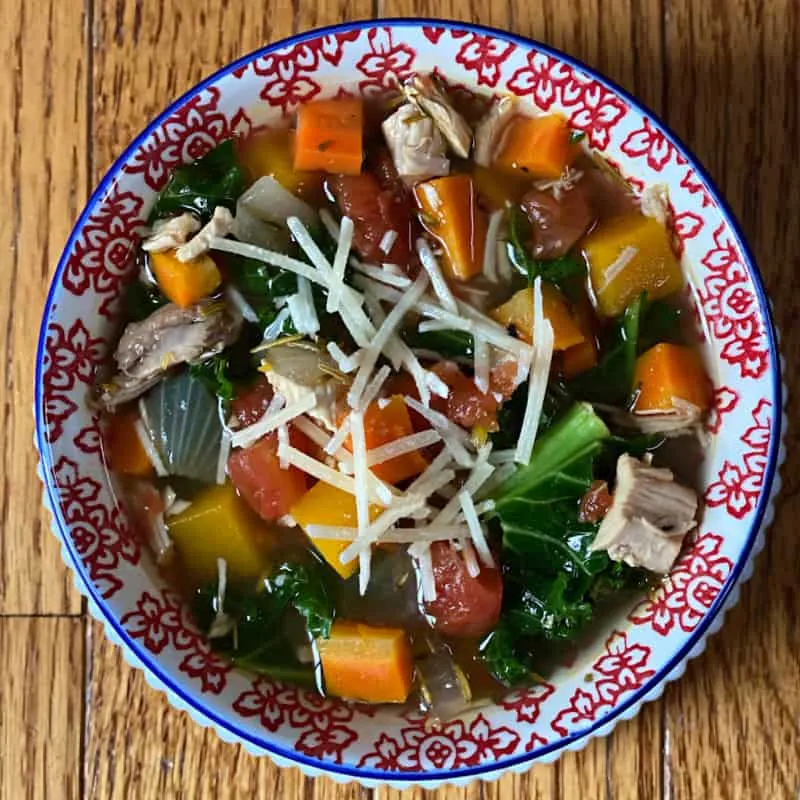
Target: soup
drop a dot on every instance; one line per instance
(391, 395)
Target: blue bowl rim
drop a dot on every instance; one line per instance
(618, 712)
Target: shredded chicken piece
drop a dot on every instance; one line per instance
(427, 95)
(683, 420)
(220, 226)
(490, 130)
(649, 516)
(167, 234)
(655, 202)
(416, 144)
(169, 336)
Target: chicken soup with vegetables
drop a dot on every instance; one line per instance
(391, 393)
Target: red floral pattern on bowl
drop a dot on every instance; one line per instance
(635, 653)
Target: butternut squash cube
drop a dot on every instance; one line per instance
(324, 504)
(518, 311)
(627, 256)
(184, 283)
(219, 524)
(669, 372)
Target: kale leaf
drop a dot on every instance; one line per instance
(139, 301)
(304, 588)
(213, 180)
(611, 381)
(234, 365)
(448, 344)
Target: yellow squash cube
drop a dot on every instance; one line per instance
(324, 504)
(627, 256)
(219, 524)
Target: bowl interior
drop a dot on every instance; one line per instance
(634, 649)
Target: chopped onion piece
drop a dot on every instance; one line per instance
(490, 249)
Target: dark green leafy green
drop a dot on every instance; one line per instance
(660, 322)
(611, 381)
(553, 580)
(303, 587)
(576, 136)
(512, 412)
(261, 285)
(448, 344)
(505, 656)
(235, 365)
(140, 301)
(211, 181)
(556, 270)
(292, 604)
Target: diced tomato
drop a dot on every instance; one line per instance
(257, 475)
(503, 378)
(464, 606)
(595, 503)
(466, 404)
(375, 212)
(250, 403)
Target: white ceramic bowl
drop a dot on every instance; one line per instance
(637, 652)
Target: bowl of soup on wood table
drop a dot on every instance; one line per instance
(408, 403)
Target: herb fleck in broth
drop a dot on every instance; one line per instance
(361, 446)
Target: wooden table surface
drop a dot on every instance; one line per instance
(78, 83)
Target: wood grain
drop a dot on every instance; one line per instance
(41, 705)
(43, 163)
(733, 719)
(724, 73)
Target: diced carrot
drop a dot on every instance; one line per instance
(466, 404)
(451, 214)
(185, 283)
(627, 256)
(367, 663)
(669, 372)
(324, 504)
(583, 356)
(124, 448)
(330, 136)
(271, 154)
(518, 311)
(537, 146)
(384, 425)
(579, 358)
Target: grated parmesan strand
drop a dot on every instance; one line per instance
(339, 264)
(475, 529)
(346, 363)
(490, 249)
(455, 439)
(431, 265)
(272, 419)
(387, 242)
(542, 334)
(482, 359)
(401, 446)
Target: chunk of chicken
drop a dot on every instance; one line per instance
(169, 336)
(425, 93)
(297, 369)
(649, 517)
(684, 420)
(416, 144)
(167, 234)
(490, 129)
(220, 226)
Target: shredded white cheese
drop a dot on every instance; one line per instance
(224, 452)
(387, 242)
(374, 387)
(339, 264)
(482, 361)
(439, 284)
(272, 420)
(618, 265)
(346, 363)
(542, 334)
(475, 529)
(381, 275)
(331, 225)
(385, 332)
(401, 446)
(150, 448)
(283, 440)
(455, 438)
(301, 308)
